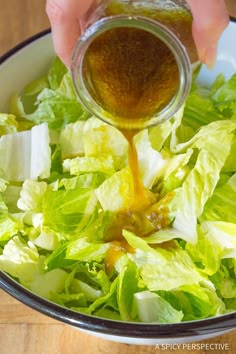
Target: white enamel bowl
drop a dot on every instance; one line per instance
(25, 63)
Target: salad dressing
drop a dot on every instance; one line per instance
(176, 17)
(142, 197)
(116, 250)
(131, 72)
(144, 216)
(133, 75)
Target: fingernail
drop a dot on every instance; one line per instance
(210, 57)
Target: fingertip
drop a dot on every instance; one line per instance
(206, 39)
(65, 17)
(210, 18)
(210, 57)
(64, 41)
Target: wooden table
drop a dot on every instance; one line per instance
(25, 331)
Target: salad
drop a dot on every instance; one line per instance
(67, 232)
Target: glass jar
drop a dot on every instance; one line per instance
(131, 65)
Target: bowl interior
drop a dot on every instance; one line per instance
(24, 64)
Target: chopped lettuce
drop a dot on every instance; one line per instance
(8, 124)
(222, 205)
(68, 211)
(225, 98)
(162, 269)
(26, 154)
(153, 308)
(200, 184)
(84, 164)
(8, 226)
(117, 192)
(68, 229)
(55, 109)
(31, 195)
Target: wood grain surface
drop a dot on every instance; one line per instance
(23, 330)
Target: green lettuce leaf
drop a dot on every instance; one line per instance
(8, 226)
(103, 164)
(10, 197)
(206, 253)
(189, 202)
(230, 163)
(120, 186)
(152, 163)
(21, 260)
(26, 154)
(127, 287)
(56, 110)
(31, 195)
(225, 97)
(71, 140)
(225, 282)
(223, 234)
(199, 110)
(153, 308)
(106, 140)
(85, 251)
(222, 205)
(56, 73)
(68, 211)
(162, 269)
(195, 302)
(8, 124)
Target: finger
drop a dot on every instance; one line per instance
(210, 18)
(64, 16)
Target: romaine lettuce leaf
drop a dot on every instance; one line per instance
(200, 184)
(225, 282)
(153, 308)
(222, 205)
(26, 154)
(230, 163)
(127, 287)
(21, 260)
(117, 192)
(162, 269)
(207, 253)
(56, 73)
(8, 124)
(85, 251)
(8, 226)
(85, 164)
(71, 140)
(68, 211)
(31, 195)
(56, 110)
(106, 140)
(195, 302)
(223, 234)
(151, 162)
(67, 197)
(225, 97)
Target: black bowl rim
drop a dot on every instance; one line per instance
(102, 326)
(117, 328)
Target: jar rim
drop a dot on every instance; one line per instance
(161, 32)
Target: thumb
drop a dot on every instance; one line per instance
(210, 18)
(65, 16)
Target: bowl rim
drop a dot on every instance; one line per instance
(216, 324)
(23, 44)
(116, 328)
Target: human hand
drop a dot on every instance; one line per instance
(66, 18)
(210, 18)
